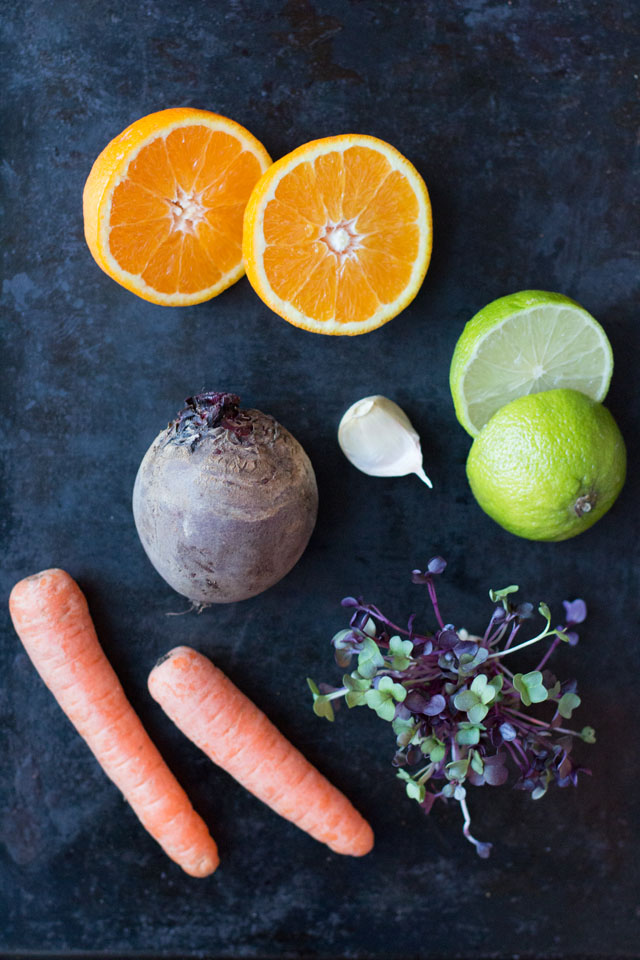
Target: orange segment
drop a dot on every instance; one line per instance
(186, 149)
(151, 168)
(394, 204)
(400, 242)
(235, 185)
(283, 224)
(134, 204)
(219, 248)
(300, 191)
(163, 270)
(220, 153)
(317, 295)
(337, 235)
(164, 204)
(355, 296)
(387, 276)
(289, 267)
(136, 243)
(330, 183)
(365, 171)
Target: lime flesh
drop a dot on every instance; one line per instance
(549, 465)
(526, 343)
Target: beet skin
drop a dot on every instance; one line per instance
(225, 501)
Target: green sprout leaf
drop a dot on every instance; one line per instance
(530, 687)
(568, 703)
(404, 730)
(356, 687)
(370, 659)
(475, 701)
(497, 595)
(484, 691)
(369, 628)
(477, 713)
(457, 770)
(401, 651)
(321, 703)
(544, 610)
(434, 748)
(468, 734)
(465, 700)
(563, 636)
(383, 699)
(588, 734)
(415, 790)
(477, 763)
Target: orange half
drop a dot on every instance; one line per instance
(164, 204)
(337, 234)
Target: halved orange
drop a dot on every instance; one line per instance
(164, 202)
(337, 234)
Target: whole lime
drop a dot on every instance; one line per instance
(548, 465)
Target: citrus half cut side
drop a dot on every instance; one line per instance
(337, 234)
(526, 343)
(164, 203)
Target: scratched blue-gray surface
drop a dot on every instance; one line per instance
(522, 117)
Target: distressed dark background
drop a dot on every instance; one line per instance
(522, 117)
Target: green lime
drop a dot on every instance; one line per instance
(548, 465)
(526, 343)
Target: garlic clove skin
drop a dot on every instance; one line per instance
(377, 437)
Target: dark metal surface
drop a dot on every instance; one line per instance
(522, 117)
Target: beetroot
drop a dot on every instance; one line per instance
(225, 501)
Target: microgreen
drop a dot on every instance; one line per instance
(459, 715)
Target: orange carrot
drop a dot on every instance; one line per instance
(236, 735)
(52, 619)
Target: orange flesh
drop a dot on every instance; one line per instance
(342, 235)
(176, 217)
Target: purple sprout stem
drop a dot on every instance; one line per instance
(525, 716)
(514, 630)
(516, 745)
(514, 756)
(425, 679)
(500, 632)
(434, 602)
(488, 630)
(541, 723)
(372, 611)
(508, 673)
(548, 653)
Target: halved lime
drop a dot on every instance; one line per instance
(525, 343)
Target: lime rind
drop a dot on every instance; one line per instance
(547, 467)
(526, 343)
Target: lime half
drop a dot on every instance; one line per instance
(526, 343)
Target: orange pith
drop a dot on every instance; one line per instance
(337, 235)
(164, 204)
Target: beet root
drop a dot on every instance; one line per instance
(225, 501)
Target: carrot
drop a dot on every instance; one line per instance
(52, 619)
(236, 735)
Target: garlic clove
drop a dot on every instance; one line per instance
(377, 437)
